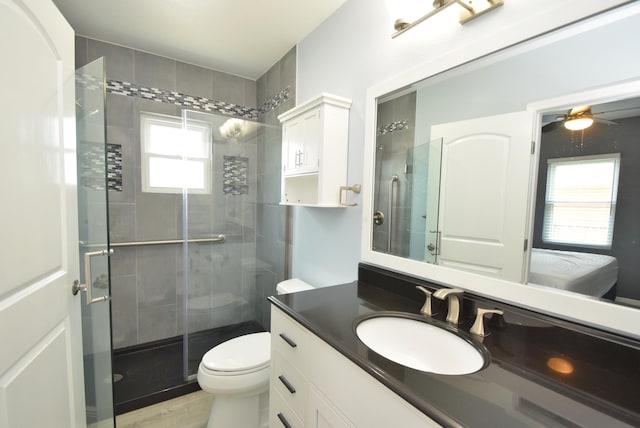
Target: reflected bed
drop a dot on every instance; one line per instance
(585, 273)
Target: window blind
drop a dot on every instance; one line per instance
(580, 200)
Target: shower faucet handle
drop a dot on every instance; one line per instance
(426, 308)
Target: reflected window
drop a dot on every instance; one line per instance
(580, 201)
(173, 158)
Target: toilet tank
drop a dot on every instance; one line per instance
(292, 285)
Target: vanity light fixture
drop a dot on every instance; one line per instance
(470, 10)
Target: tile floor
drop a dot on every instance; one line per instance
(188, 411)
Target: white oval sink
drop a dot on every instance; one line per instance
(419, 345)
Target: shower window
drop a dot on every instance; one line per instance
(174, 158)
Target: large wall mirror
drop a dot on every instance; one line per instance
(479, 181)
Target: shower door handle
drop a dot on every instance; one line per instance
(87, 287)
(394, 179)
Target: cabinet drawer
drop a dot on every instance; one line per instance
(288, 338)
(290, 383)
(280, 414)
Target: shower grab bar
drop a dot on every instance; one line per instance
(220, 239)
(393, 179)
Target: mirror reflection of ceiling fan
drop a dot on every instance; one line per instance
(581, 118)
(576, 119)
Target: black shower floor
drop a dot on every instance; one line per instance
(152, 372)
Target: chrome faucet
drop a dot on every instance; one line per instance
(454, 295)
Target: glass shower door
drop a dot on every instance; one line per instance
(93, 224)
(220, 291)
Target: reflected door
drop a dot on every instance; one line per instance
(93, 229)
(483, 210)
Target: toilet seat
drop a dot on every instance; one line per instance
(238, 356)
(238, 366)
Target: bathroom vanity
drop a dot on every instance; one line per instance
(313, 385)
(541, 371)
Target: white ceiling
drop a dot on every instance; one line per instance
(241, 37)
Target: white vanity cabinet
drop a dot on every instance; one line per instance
(314, 151)
(313, 385)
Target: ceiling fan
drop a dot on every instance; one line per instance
(576, 119)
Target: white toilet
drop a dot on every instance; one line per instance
(237, 373)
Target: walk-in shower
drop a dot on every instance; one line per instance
(407, 181)
(190, 276)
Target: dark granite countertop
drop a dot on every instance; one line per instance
(517, 389)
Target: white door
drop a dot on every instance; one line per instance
(483, 198)
(41, 381)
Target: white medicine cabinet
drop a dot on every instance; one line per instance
(315, 139)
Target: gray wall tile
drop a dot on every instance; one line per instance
(230, 88)
(157, 322)
(124, 310)
(120, 111)
(122, 224)
(194, 80)
(81, 51)
(118, 59)
(155, 71)
(157, 275)
(224, 288)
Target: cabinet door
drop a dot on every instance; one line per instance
(293, 138)
(302, 136)
(322, 414)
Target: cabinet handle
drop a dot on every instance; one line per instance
(287, 384)
(284, 421)
(289, 341)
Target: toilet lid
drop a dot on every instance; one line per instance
(239, 354)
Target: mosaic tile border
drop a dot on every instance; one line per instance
(91, 175)
(195, 102)
(275, 101)
(234, 175)
(114, 167)
(401, 125)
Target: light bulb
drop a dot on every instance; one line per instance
(578, 123)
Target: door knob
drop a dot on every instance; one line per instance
(378, 218)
